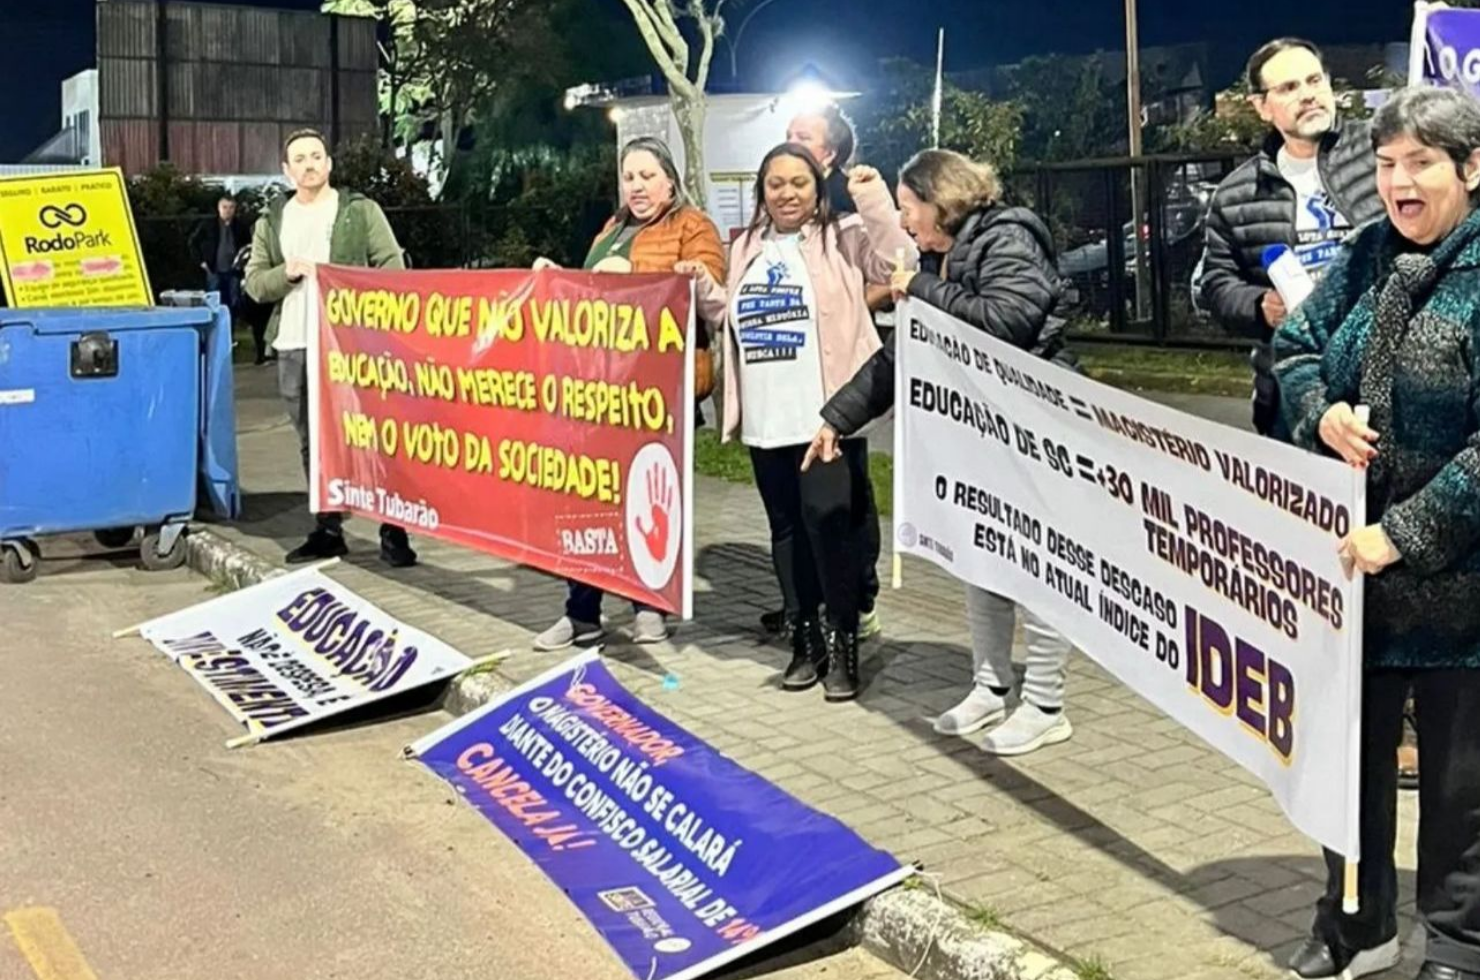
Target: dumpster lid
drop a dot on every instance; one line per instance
(82, 319)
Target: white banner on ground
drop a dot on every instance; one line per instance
(298, 649)
(1196, 563)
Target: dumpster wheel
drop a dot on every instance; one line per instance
(19, 561)
(156, 561)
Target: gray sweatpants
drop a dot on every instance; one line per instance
(993, 622)
(293, 387)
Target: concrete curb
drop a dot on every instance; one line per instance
(228, 565)
(931, 939)
(909, 928)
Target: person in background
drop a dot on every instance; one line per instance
(828, 136)
(796, 327)
(655, 230)
(215, 243)
(316, 224)
(1394, 325)
(993, 267)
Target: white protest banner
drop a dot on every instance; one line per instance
(297, 649)
(1196, 563)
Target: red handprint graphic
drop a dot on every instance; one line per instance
(660, 502)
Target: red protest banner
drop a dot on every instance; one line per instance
(544, 417)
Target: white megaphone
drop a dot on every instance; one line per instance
(1289, 277)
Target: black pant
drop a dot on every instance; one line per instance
(293, 387)
(818, 541)
(872, 547)
(1448, 706)
(583, 602)
(872, 544)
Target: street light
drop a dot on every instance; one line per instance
(739, 32)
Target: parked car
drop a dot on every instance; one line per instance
(1086, 268)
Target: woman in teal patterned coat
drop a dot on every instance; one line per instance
(1395, 326)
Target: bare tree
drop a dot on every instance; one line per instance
(395, 42)
(658, 23)
(448, 60)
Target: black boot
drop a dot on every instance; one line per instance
(808, 656)
(323, 543)
(841, 682)
(395, 547)
(775, 622)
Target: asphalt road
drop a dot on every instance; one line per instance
(134, 845)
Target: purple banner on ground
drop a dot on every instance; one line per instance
(1446, 48)
(681, 859)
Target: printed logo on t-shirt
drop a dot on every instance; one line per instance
(1319, 230)
(762, 311)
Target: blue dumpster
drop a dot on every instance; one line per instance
(113, 420)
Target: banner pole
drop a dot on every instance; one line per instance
(1350, 897)
(251, 738)
(1417, 42)
(492, 658)
(896, 576)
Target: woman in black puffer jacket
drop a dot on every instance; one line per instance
(993, 267)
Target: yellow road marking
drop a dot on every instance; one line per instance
(47, 946)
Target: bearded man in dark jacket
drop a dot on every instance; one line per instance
(1312, 183)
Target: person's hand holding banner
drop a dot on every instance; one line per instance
(694, 270)
(824, 447)
(542, 263)
(899, 282)
(1368, 550)
(1345, 431)
(297, 269)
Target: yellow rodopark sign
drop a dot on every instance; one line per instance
(68, 239)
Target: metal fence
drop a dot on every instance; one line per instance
(433, 237)
(1130, 277)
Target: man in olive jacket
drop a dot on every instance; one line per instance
(316, 224)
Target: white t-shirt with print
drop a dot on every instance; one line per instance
(774, 316)
(1319, 226)
(306, 234)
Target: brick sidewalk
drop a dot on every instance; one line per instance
(1133, 842)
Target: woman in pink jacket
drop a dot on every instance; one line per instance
(796, 328)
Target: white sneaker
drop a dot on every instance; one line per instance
(1028, 729)
(649, 626)
(567, 633)
(976, 711)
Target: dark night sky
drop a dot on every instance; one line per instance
(43, 41)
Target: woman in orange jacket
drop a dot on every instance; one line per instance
(654, 230)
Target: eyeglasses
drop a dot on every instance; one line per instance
(1286, 90)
